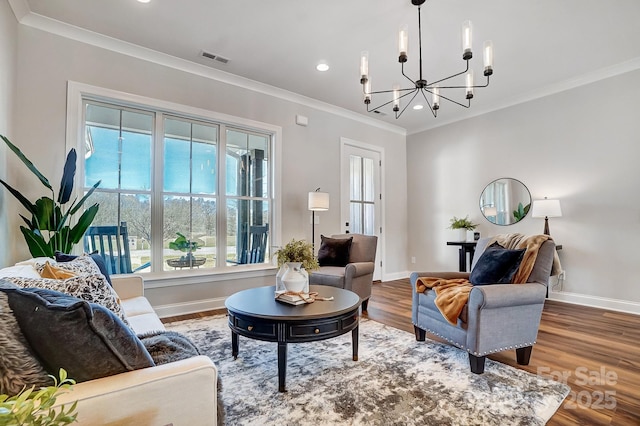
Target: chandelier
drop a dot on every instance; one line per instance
(421, 86)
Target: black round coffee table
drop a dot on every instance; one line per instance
(255, 313)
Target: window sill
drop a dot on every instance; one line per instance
(199, 276)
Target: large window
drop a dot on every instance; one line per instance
(193, 193)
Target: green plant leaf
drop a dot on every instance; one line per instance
(66, 184)
(76, 233)
(60, 241)
(76, 207)
(27, 162)
(47, 214)
(29, 223)
(23, 200)
(38, 247)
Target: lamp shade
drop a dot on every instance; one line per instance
(318, 201)
(546, 208)
(490, 211)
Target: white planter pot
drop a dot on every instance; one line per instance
(470, 236)
(459, 234)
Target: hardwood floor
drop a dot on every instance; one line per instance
(598, 351)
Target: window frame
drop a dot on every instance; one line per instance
(77, 93)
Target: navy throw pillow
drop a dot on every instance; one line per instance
(97, 258)
(496, 265)
(334, 251)
(86, 339)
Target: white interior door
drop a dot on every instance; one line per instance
(360, 194)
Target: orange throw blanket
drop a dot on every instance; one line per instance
(453, 294)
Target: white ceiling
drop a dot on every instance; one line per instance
(541, 46)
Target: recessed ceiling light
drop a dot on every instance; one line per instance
(322, 67)
(144, 1)
(418, 106)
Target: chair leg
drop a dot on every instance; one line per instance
(421, 334)
(365, 303)
(523, 355)
(476, 363)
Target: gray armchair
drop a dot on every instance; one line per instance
(497, 317)
(357, 275)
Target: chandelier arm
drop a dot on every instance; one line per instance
(408, 103)
(391, 101)
(435, 114)
(463, 87)
(407, 77)
(455, 102)
(451, 76)
(410, 89)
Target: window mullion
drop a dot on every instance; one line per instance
(157, 201)
(221, 204)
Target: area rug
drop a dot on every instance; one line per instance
(396, 381)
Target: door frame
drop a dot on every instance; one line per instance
(382, 199)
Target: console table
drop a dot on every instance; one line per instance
(470, 248)
(465, 247)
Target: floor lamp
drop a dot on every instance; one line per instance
(546, 208)
(318, 202)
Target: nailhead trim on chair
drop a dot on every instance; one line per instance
(523, 345)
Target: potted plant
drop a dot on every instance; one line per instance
(181, 243)
(31, 407)
(47, 230)
(295, 259)
(462, 226)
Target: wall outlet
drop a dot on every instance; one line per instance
(413, 259)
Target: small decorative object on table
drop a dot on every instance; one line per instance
(464, 227)
(292, 279)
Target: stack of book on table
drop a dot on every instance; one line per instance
(292, 299)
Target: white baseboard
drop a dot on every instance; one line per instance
(596, 302)
(396, 276)
(175, 309)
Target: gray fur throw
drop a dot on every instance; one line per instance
(168, 346)
(19, 368)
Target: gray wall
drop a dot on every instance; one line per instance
(311, 154)
(580, 146)
(8, 49)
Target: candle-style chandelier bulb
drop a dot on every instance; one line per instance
(467, 42)
(403, 43)
(487, 53)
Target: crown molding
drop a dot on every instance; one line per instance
(20, 8)
(26, 17)
(582, 80)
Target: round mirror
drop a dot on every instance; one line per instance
(505, 201)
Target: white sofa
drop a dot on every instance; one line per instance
(177, 393)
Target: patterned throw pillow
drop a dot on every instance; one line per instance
(50, 271)
(92, 288)
(19, 367)
(95, 256)
(81, 265)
